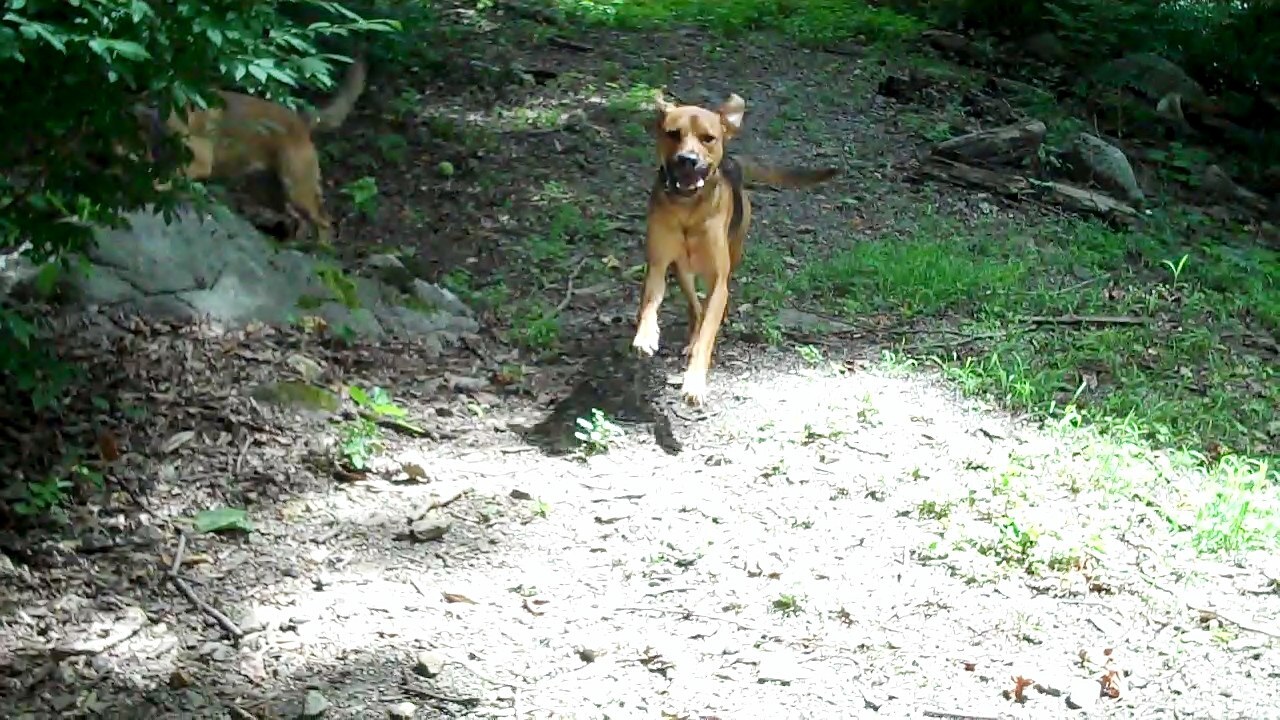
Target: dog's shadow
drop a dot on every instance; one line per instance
(622, 386)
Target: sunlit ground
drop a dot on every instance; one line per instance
(837, 536)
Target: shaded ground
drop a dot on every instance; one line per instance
(838, 534)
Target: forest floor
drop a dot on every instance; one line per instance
(921, 487)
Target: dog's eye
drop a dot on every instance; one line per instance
(708, 139)
(673, 135)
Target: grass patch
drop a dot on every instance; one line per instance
(814, 22)
(1015, 521)
(1188, 373)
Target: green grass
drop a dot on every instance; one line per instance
(1186, 375)
(809, 21)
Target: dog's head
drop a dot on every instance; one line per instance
(691, 141)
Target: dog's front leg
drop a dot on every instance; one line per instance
(660, 257)
(694, 388)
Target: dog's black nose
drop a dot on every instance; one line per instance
(686, 160)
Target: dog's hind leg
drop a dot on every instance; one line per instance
(685, 276)
(694, 388)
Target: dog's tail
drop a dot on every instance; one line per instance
(331, 116)
(757, 172)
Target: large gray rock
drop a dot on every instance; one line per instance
(1153, 76)
(219, 266)
(1092, 159)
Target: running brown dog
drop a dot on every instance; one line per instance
(698, 218)
(248, 134)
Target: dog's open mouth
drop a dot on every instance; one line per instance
(685, 180)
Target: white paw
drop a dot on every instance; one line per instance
(646, 341)
(694, 389)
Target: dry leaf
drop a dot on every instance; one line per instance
(1111, 683)
(176, 441)
(1020, 685)
(529, 603)
(107, 447)
(457, 598)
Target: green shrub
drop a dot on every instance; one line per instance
(72, 74)
(810, 21)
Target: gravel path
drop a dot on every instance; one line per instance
(832, 541)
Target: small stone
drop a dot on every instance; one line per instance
(308, 369)
(315, 704)
(774, 670)
(431, 527)
(179, 680)
(413, 464)
(519, 494)
(465, 384)
(1083, 694)
(428, 664)
(145, 535)
(383, 261)
(402, 711)
(587, 655)
(391, 271)
(1247, 643)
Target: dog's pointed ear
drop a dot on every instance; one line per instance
(660, 102)
(661, 108)
(731, 113)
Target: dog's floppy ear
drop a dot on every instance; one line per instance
(731, 113)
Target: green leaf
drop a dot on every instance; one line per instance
(9, 44)
(127, 49)
(390, 410)
(360, 397)
(222, 519)
(47, 278)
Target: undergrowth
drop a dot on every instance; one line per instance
(1164, 336)
(814, 22)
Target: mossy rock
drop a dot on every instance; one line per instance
(299, 396)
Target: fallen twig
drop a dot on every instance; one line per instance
(690, 614)
(957, 342)
(568, 292)
(244, 450)
(568, 44)
(398, 425)
(1029, 323)
(413, 687)
(855, 448)
(430, 695)
(957, 715)
(223, 621)
(449, 499)
(1249, 625)
(1087, 320)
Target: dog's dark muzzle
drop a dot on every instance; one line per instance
(685, 174)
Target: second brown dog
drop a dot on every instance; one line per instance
(248, 134)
